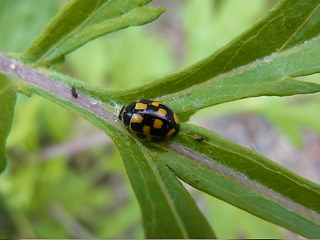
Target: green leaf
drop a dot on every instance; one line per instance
(236, 175)
(262, 61)
(245, 179)
(272, 76)
(167, 208)
(270, 55)
(84, 20)
(7, 101)
(162, 198)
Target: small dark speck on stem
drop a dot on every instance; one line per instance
(199, 139)
(74, 92)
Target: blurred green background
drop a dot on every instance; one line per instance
(65, 177)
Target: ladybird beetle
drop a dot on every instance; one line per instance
(150, 120)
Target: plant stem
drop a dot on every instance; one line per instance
(40, 80)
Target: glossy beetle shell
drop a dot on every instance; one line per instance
(150, 120)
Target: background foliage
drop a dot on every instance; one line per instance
(89, 198)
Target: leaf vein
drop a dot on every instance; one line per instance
(298, 29)
(163, 188)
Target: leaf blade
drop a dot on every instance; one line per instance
(82, 21)
(245, 179)
(276, 36)
(274, 75)
(222, 184)
(7, 102)
(163, 202)
(261, 40)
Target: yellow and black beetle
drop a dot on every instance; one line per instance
(150, 120)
